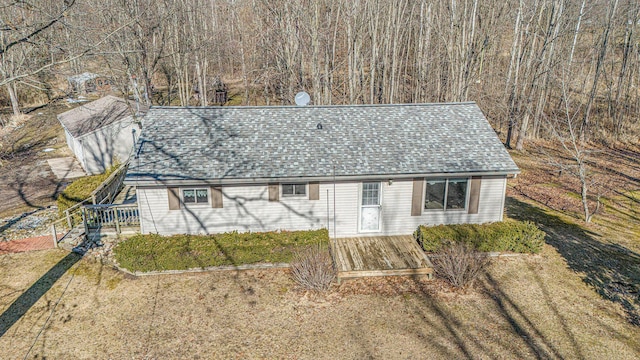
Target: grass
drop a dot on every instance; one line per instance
(604, 263)
(81, 189)
(526, 307)
(180, 252)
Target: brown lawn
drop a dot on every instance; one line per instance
(526, 307)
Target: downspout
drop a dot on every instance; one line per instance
(334, 204)
(504, 198)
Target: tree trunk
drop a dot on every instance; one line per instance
(15, 105)
(599, 64)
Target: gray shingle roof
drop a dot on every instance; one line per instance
(95, 115)
(236, 143)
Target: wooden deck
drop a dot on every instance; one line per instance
(380, 256)
(126, 196)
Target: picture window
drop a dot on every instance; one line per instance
(446, 194)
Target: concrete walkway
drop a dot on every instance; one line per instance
(33, 243)
(66, 168)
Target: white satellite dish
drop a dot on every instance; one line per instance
(302, 98)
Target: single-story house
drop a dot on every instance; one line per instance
(358, 170)
(101, 132)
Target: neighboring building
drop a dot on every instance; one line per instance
(87, 82)
(101, 132)
(367, 169)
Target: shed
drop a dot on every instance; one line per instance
(87, 82)
(101, 132)
(357, 170)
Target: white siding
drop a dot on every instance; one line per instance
(396, 207)
(75, 146)
(246, 208)
(103, 146)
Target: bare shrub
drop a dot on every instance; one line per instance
(312, 268)
(459, 264)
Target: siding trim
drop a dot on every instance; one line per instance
(216, 197)
(474, 194)
(174, 198)
(417, 197)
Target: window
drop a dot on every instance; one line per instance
(370, 193)
(195, 196)
(446, 194)
(294, 189)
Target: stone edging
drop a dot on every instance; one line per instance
(499, 254)
(494, 254)
(206, 269)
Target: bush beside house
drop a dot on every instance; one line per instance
(510, 235)
(154, 252)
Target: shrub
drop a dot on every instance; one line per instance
(510, 235)
(312, 268)
(459, 264)
(154, 252)
(81, 189)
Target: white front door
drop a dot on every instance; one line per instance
(370, 208)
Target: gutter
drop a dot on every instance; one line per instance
(136, 181)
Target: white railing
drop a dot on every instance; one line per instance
(111, 216)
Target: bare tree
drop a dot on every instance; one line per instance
(564, 129)
(21, 32)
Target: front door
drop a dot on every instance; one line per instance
(370, 208)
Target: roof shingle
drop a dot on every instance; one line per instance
(95, 115)
(236, 143)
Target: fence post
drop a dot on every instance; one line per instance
(68, 219)
(55, 235)
(84, 221)
(93, 199)
(117, 220)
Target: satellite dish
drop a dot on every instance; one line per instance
(302, 98)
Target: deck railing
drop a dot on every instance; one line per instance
(61, 227)
(104, 193)
(111, 216)
(107, 191)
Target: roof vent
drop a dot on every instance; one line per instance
(319, 126)
(302, 98)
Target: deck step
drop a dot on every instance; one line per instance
(428, 272)
(72, 239)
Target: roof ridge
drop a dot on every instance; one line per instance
(314, 106)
